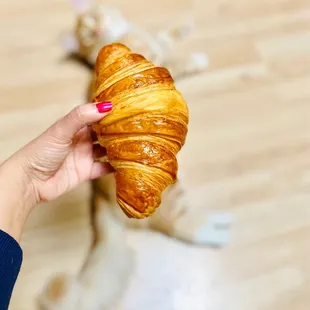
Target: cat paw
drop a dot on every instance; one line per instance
(215, 231)
(58, 294)
(65, 293)
(198, 61)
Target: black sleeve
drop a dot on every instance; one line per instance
(11, 257)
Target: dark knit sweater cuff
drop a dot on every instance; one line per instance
(11, 256)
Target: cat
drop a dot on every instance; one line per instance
(110, 261)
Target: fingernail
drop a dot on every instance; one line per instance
(104, 107)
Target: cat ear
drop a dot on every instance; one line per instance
(69, 43)
(81, 5)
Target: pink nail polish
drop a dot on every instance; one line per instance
(104, 107)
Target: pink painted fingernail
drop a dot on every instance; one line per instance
(104, 107)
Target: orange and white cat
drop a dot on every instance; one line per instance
(110, 261)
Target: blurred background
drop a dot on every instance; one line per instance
(248, 151)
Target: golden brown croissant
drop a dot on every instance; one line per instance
(145, 130)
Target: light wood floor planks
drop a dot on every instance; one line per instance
(248, 151)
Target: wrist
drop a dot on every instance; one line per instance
(17, 196)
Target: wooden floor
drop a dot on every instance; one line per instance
(248, 150)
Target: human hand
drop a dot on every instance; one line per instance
(62, 157)
(55, 162)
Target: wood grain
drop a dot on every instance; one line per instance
(248, 151)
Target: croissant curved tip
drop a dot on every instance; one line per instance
(132, 212)
(110, 52)
(114, 47)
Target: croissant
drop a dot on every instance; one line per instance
(145, 130)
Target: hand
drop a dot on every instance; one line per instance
(62, 157)
(57, 161)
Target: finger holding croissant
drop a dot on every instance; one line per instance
(145, 130)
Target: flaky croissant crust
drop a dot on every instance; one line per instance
(145, 130)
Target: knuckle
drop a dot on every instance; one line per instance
(57, 133)
(78, 113)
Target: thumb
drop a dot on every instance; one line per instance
(81, 116)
